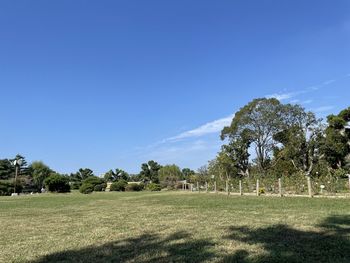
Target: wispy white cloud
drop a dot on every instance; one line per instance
(281, 96)
(289, 95)
(208, 128)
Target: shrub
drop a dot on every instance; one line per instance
(119, 185)
(6, 188)
(99, 187)
(75, 185)
(57, 183)
(154, 187)
(86, 188)
(134, 187)
(94, 180)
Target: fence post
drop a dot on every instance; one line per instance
(215, 187)
(206, 187)
(198, 187)
(240, 187)
(257, 187)
(309, 186)
(280, 187)
(227, 188)
(191, 185)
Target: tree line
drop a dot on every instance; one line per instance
(266, 139)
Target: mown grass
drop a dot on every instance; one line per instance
(173, 227)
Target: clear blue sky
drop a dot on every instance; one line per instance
(107, 84)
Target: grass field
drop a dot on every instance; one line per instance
(173, 227)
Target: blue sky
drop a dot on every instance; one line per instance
(107, 84)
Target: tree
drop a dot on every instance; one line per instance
(7, 170)
(149, 171)
(237, 152)
(57, 183)
(258, 121)
(336, 147)
(187, 173)
(169, 175)
(202, 174)
(301, 140)
(39, 172)
(117, 175)
(82, 174)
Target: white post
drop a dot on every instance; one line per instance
(349, 180)
(240, 187)
(280, 187)
(309, 186)
(206, 187)
(257, 187)
(215, 187)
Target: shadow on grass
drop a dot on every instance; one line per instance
(178, 247)
(284, 244)
(330, 243)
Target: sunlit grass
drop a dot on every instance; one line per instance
(168, 226)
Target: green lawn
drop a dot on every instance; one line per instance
(173, 227)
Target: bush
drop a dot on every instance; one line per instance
(86, 188)
(76, 185)
(99, 187)
(6, 188)
(154, 187)
(134, 187)
(57, 183)
(94, 180)
(119, 185)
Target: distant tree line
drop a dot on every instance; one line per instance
(265, 139)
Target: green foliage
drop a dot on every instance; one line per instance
(154, 187)
(119, 185)
(119, 174)
(169, 175)
(187, 173)
(81, 175)
(257, 122)
(39, 172)
(336, 146)
(6, 187)
(149, 171)
(134, 187)
(92, 183)
(86, 188)
(7, 170)
(57, 183)
(99, 188)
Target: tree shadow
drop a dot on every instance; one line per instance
(281, 243)
(147, 248)
(284, 244)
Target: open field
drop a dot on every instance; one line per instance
(173, 227)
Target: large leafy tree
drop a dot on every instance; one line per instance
(169, 175)
(336, 147)
(301, 139)
(149, 171)
(40, 172)
(257, 122)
